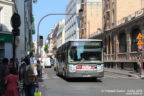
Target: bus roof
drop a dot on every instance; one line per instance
(80, 40)
(85, 40)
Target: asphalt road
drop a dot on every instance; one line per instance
(111, 85)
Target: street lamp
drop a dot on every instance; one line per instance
(40, 23)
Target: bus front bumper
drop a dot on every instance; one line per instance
(85, 74)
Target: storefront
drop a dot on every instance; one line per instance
(5, 46)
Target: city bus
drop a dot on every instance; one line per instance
(80, 58)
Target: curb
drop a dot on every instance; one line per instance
(129, 75)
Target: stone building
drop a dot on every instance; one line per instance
(61, 33)
(72, 21)
(91, 18)
(49, 41)
(6, 37)
(123, 20)
(54, 38)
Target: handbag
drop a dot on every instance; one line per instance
(37, 93)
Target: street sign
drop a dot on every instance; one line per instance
(15, 20)
(140, 42)
(140, 36)
(140, 47)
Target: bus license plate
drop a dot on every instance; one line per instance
(86, 67)
(86, 75)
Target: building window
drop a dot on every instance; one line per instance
(122, 42)
(109, 45)
(134, 41)
(113, 44)
(2, 51)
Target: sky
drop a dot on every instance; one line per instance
(44, 7)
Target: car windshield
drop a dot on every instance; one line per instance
(85, 53)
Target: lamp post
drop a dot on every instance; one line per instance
(40, 23)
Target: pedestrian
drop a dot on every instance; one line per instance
(39, 68)
(21, 77)
(16, 64)
(12, 83)
(4, 71)
(11, 63)
(30, 78)
(43, 62)
(31, 59)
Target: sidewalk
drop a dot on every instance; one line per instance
(123, 72)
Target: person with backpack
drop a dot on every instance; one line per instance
(30, 78)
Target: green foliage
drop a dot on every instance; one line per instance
(46, 48)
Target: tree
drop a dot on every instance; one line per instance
(46, 48)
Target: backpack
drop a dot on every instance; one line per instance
(29, 77)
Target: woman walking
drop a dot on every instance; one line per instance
(12, 83)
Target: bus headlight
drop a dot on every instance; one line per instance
(100, 68)
(72, 68)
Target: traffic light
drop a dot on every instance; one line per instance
(41, 40)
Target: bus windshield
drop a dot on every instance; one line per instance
(85, 52)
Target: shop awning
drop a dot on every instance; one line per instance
(6, 37)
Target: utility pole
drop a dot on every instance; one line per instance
(15, 23)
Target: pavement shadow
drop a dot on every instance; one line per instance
(82, 79)
(40, 79)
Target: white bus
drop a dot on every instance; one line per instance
(80, 58)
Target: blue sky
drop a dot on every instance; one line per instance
(43, 7)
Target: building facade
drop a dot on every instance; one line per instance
(72, 21)
(91, 18)
(123, 20)
(34, 47)
(24, 41)
(61, 33)
(54, 38)
(49, 41)
(6, 37)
